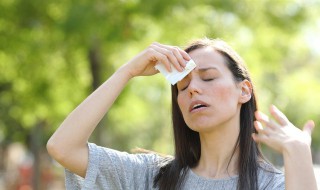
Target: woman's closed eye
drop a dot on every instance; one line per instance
(209, 75)
(208, 79)
(183, 84)
(184, 87)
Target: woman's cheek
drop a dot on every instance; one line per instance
(181, 102)
(222, 91)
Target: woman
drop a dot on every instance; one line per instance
(217, 129)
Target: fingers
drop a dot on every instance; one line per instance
(263, 133)
(268, 131)
(263, 118)
(177, 52)
(280, 132)
(157, 56)
(279, 116)
(259, 138)
(169, 55)
(261, 130)
(184, 54)
(174, 55)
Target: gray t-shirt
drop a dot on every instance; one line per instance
(111, 169)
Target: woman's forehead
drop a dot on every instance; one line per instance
(207, 57)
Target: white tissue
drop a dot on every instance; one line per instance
(174, 76)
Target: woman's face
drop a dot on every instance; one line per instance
(209, 96)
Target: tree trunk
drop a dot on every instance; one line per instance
(36, 139)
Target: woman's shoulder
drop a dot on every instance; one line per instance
(109, 153)
(110, 168)
(269, 177)
(139, 157)
(268, 168)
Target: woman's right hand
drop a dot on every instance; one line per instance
(143, 64)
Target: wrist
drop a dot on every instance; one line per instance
(125, 72)
(296, 148)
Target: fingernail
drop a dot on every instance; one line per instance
(185, 63)
(261, 116)
(311, 124)
(259, 125)
(258, 114)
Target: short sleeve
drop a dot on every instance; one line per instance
(277, 183)
(270, 178)
(111, 169)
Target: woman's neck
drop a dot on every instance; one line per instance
(219, 154)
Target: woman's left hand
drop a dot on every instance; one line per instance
(279, 133)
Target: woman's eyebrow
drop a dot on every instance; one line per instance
(206, 68)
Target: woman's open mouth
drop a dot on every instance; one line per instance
(197, 105)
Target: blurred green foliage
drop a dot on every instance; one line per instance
(45, 68)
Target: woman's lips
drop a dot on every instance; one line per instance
(197, 105)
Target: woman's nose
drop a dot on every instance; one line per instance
(194, 88)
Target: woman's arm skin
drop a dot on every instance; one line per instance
(294, 144)
(68, 145)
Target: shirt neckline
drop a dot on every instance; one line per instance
(194, 175)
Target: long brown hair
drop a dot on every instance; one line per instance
(187, 142)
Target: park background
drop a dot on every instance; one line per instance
(54, 53)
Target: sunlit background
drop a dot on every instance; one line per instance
(54, 53)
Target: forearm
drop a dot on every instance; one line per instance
(76, 129)
(299, 174)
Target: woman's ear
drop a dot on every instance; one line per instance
(246, 90)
